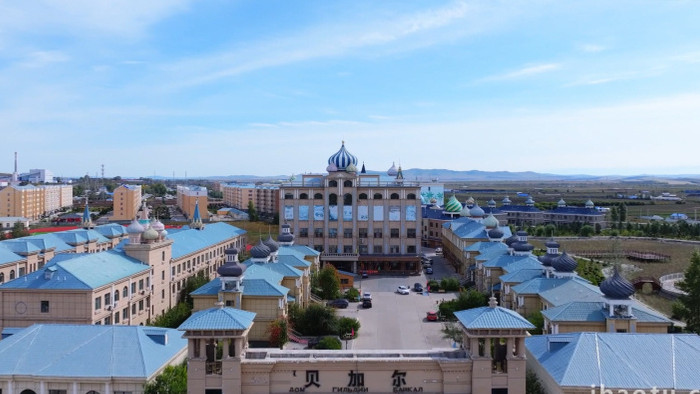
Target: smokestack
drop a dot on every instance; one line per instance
(15, 162)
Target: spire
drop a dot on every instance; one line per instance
(87, 219)
(399, 174)
(196, 218)
(363, 171)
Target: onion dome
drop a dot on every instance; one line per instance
(332, 168)
(546, 259)
(491, 203)
(231, 251)
(150, 235)
(495, 233)
(521, 245)
(589, 204)
(529, 202)
(465, 211)
(617, 287)
(512, 239)
(506, 201)
(470, 201)
(490, 221)
(477, 211)
(271, 244)
(433, 201)
(135, 227)
(552, 244)
(351, 168)
(453, 205)
(164, 233)
(342, 159)
(561, 203)
(260, 251)
(564, 263)
(232, 269)
(285, 237)
(157, 225)
(392, 171)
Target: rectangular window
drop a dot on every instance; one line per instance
(377, 249)
(140, 284)
(411, 249)
(98, 303)
(363, 249)
(44, 307)
(394, 249)
(303, 232)
(133, 309)
(394, 233)
(140, 305)
(347, 249)
(133, 288)
(116, 317)
(108, 298)
(318, 248)
(377, 233)
(362, 232)
(108, 320)
(411, 233)
(332, 233)
(347, 233)
(125, 313)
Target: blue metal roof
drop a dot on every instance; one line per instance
(210, 288)
(219, 319)
(619, 360)
(575, 211)
(488, 317)
(303, 249)
(570, 291)
(8, 256)
(522, 275)
(596, 312)
(539, 285)
(191, 240)
(518, 208)
(81, 271)
(89, 351)
(506, 260)
(292, 260)
(284, 269)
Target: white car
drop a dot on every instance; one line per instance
(367, 296)
(403, 290)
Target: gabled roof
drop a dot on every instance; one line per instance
(575, 211)
(519, 208)
(81, 271)
(539, 285)
(505, 260)
(303, 249)
(488, 317)
(522, 275)
(571, 291)
(584, 311)
(8, 256)
(617, 360)
(294, 261)
(111, 230)
(219, 319)
(89, 351)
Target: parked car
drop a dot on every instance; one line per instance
(367, 296)
(339, 303)
(431, 316)
(418, 287)
(365, 275)
(429, 270)
(403, 290)
(438, 251)
(367, 304)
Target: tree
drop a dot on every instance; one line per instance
(330, 343)
(19, 230)
(315, 320)
(252, 212)
(453, 331)
(173, 380)
(329, 282)
(279, 333)
(537, 320)
(348, 326)
(533, 384)
(78, 191)
(159, 189)
(688, 307)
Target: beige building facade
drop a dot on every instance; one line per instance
(191, 198)
(33, 202)
(127, 201)
(265, 198)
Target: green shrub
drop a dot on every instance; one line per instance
(352, 294)
(330, 343)
(346, 325)
(449, 284)
(434, 285)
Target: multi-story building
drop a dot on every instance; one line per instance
(360, 222)
(37, 175)
(265, 198)
(564, 214)
(191, 198)
(57, 197)
(127, 200)
(132, 284)
(33, 202)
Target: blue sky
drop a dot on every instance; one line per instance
(218, 87)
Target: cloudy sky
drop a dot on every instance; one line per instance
(216, 87)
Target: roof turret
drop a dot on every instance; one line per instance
(564, 263)
(392, 171)
(260, 250)
(490, 222)
(477, 211)
(453, 205)
(342, 159)
(617, 287)
(271, 244)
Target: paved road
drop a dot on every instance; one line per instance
(397, 321)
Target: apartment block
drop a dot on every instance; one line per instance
(265, 198)
(127, 200)
(188, 197)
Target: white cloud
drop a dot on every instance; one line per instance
(524, 72)
(43, 58)
(592, 48)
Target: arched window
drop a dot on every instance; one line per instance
(303, 196)
(12, 274)
(363, 196)
(333, 184)
(332, 199)
(2, 277)
(27, 391)
(116, 295)
(347, 183)
(377, 196)
(411, 196)
(125, 292)
(288, 196)
(394, 196)
(318, 196)
(347, 199)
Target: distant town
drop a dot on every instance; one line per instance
(349, 280)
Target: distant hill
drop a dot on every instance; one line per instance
(445, 175)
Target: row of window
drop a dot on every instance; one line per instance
(125, 294)
(376, 249)
(362, 233)
(347, 197)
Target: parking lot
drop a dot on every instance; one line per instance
(397, 321)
